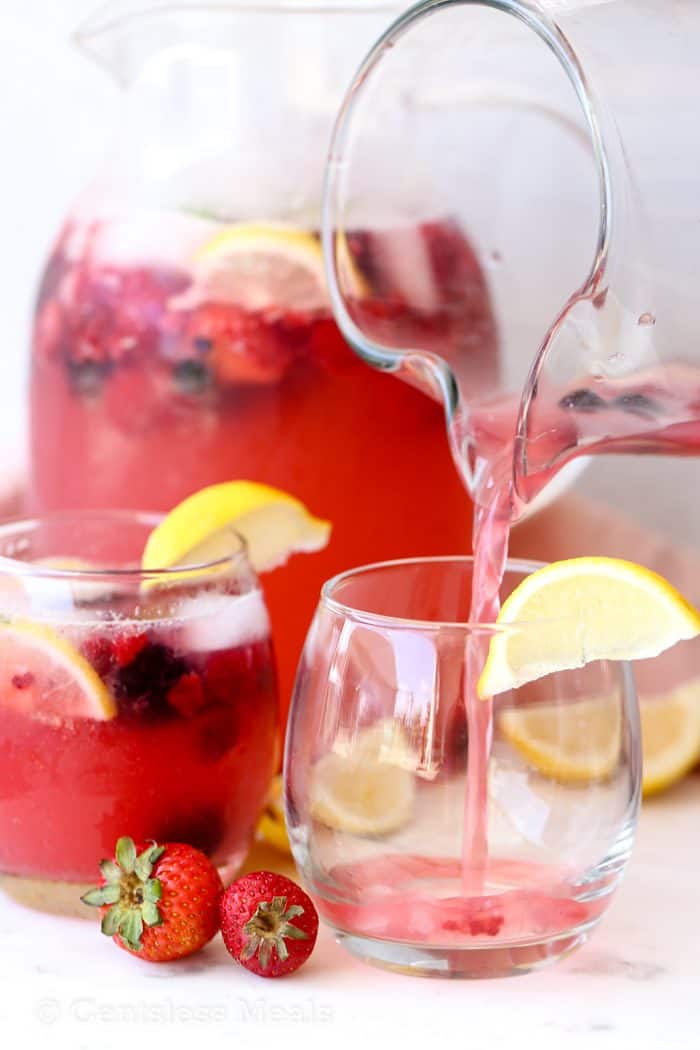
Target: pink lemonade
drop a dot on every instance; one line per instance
(653, 413)
(128, 709)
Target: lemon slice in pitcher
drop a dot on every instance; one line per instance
(274, 525)
(259, 265)
(584, 609)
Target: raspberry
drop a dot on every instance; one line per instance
(126, 648)
(98, 651)
(486, 924)
(187, 698)
(23, 680)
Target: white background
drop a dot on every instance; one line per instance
(56, 110)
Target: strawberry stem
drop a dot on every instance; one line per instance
(129, 894)
(268, 930)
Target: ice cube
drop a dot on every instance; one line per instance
(222, 621)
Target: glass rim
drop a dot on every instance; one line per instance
(149, 519)
(525, 566)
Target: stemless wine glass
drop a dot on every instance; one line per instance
(379, 776)
(131, 703)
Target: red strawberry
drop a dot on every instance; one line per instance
(268, 923)
(245, 349)
(159, 902)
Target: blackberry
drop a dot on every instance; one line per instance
(142, 686)
(583, 400)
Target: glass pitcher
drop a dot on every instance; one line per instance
(561, 138)
(183, 332)
(568, 160)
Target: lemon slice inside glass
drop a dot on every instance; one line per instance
(44, 676)
(573, 612)
(260, 265)
(575, 742)
(364, 789)
(580, 741)
(274, 525)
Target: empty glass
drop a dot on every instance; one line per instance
(413, 869)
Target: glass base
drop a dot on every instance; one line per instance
(497, 960)
(63, 898)
(47, 895)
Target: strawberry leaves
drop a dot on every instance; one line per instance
(129, 893)
(269, 928)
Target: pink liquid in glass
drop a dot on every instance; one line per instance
(654, 413)
(484, 900)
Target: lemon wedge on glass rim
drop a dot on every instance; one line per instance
(274, 525)
(570, 613)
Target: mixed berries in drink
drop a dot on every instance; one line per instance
(129, 703)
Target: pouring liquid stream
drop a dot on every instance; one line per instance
(658, 412)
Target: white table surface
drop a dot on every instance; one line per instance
(635, 985)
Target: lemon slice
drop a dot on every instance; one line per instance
(274, 525)
(361, 792)
(272, 827)
(580, 741)
(573, 612)
(259, 265)
(670, 736)
(43, 676)
(573, 742)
